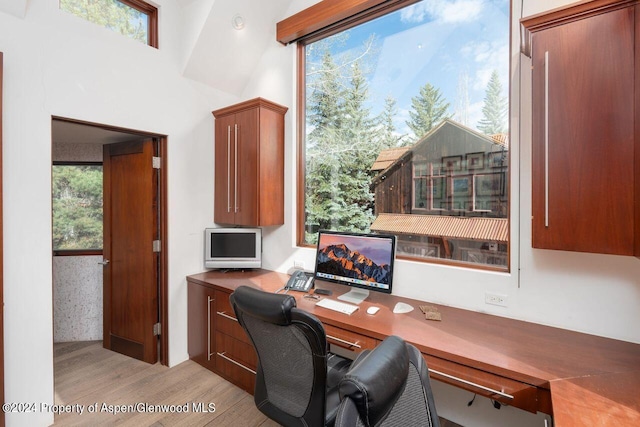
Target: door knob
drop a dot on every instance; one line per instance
(104, 261)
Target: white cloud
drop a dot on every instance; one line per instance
(444, 11)
(488, 56)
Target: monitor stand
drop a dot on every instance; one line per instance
(355, 296)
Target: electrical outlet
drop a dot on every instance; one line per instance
(298, 264)
(495, 299)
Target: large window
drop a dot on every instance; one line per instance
(77, 207)
(135, 19)
(406, 130)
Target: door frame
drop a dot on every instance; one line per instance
(162, 141)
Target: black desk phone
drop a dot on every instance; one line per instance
(300, 281)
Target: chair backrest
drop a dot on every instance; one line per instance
(292, 356)
(388, 386)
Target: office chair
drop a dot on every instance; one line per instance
(297, 379)
(387, 386)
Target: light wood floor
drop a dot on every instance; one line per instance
(86, 374)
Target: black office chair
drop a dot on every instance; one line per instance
(297, 379)
(387, 386)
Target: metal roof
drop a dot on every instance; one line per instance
(387, 157)
(453, 227)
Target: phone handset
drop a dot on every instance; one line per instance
(300, 281)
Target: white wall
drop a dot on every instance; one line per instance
(56, 64)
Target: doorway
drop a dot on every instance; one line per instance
(82, 143)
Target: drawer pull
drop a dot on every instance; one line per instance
(508, 396)
(225, 315)
(209, 354)
(350, 344)
(236, 363)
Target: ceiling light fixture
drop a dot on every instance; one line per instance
(237, 22)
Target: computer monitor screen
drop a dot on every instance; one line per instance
(363, 261)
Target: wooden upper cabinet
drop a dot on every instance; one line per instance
(584, 175)
(249, 164)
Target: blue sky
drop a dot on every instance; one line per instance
(439, 42)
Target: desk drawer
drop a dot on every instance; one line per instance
(226, 321)
(504, 390)
(236, 361)
(349, 340)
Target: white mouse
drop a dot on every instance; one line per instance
(372, 310)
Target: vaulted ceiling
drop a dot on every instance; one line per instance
(14, 7)
(221, 56)
(217, 54)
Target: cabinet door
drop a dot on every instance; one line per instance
(225, 172)
(246, 159)
(201, 323)
(583, 137)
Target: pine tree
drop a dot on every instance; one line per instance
(495, 108)
(428, 109)
(340, 150)
(389, 136)
(77, 207)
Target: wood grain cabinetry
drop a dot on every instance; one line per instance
(249, 164)
(585, 178)
(349, 340)
(501, 389)
(216, 339)
(584, 379)
(201, 322)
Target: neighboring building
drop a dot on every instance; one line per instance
(446, 196)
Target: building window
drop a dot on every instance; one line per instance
(405, 130)
(77, 208)
(135, 19)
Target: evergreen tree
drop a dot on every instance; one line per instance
(428, 109)
(389, 137)
(339, 149)
(77, 207)
(495, 108)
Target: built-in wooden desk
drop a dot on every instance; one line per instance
(577, 378)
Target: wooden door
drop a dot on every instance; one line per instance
(130, 227)
(246, 207)
(225, 178)
(583, 175)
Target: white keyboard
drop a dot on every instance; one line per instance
(334, 305)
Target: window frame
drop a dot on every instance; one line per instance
(75, 252)
(304, 29)
(152, 12)
(152, 18)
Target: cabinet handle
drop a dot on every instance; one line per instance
(235, 363)
(546, 139)
(209, 354)
(225, 315)
(350, 344)
(501, 393)
(235, 195)
(228, 169)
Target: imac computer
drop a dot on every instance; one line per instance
(362, 261)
